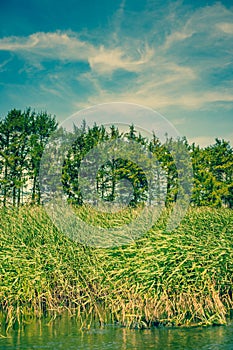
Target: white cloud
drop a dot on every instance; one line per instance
(56, 45)
(176, 37)
(204, 141)
(159, 100)
(198, 100)
(174, 59)
(4, 64)
(226, 27)
(67, 46)
(105, 61)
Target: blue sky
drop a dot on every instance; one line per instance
(173, 56)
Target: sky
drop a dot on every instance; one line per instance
(175, 57)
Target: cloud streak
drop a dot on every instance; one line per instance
(68, 47)
(188, 65)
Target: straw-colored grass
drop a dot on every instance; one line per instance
(176, 278)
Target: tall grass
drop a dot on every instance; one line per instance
(184, 277)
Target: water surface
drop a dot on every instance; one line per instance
(64, 334)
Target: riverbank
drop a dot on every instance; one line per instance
(179, 278)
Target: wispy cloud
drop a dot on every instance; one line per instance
(4, 64)
(48, 45)
(203, 141)
(178, 58)
(176, 37)
(68, 47)
(226, 27)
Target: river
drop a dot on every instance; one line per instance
(64, 334)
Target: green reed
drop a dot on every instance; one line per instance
(176, 278)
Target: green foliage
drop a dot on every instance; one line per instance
(24, 135)
(213, 174)
(177, 278)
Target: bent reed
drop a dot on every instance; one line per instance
(179, 278)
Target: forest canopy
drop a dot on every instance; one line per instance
(24, 135)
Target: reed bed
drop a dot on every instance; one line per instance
(179, 278)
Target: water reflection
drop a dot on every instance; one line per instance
(64, 333)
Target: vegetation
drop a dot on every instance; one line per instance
(183, 277)
(178, 278)
(23, 136)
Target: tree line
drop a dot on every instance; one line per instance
(24, 135)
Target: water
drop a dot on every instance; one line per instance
(64, 334)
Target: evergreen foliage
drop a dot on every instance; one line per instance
(24, 134)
